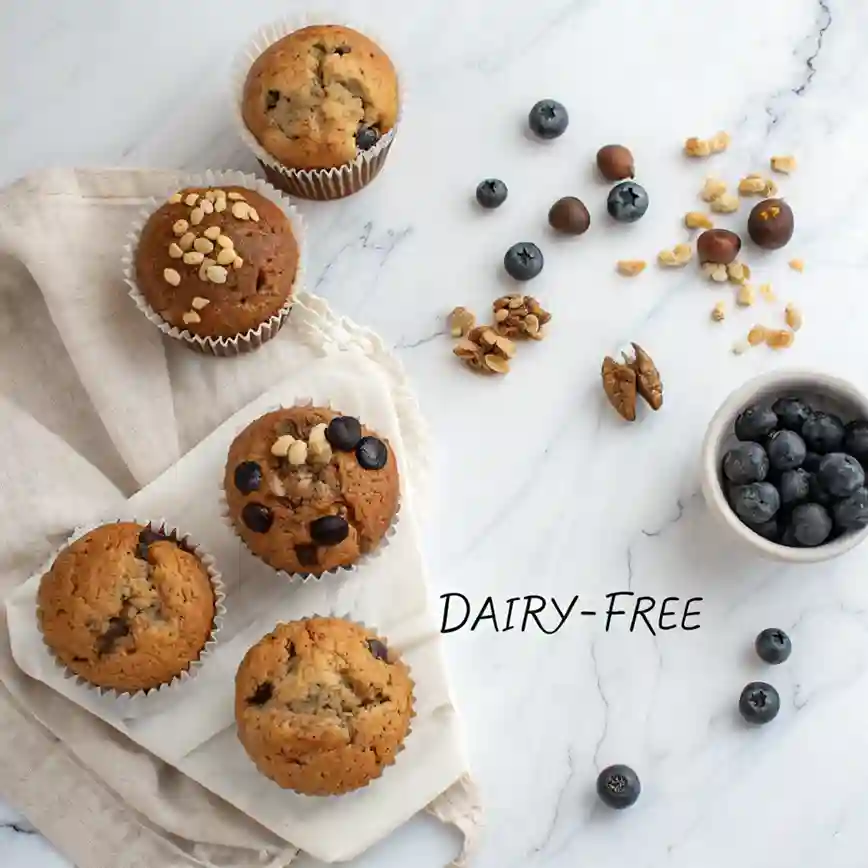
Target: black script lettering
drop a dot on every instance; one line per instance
(533, 613)
(563, 615)
(486, 613)
(639, 611)
(665, 614)
(511, 601)
(448, 599)
(688, 613)
(612, 611)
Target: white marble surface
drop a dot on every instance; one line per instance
(543, 491)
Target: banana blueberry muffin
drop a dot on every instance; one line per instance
(321, 95)
(126, 607)
(309, 490)
(322, 706)
(217, 262)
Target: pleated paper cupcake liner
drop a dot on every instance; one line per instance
(128, 702)
(317, 184)
(220, 346)
(345, 570)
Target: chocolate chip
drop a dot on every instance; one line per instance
(330, 530)
(273, 98)
(306, 554)
(257, 517)
(341, 50)
(146, 538)
(378, 649)
(248, 477)
(366, 138)
(344, 432)
(262, 694)
(117, 629)
(372, 453)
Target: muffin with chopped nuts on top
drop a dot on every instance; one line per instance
(217, 263)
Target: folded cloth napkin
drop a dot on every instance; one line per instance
(95, 404)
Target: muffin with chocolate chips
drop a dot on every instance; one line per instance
(218, 263)
(126, 607)
(322, 98)
(310, 490)
(322, 706)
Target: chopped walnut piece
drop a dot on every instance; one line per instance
(745, 296)
(485, 351)
(630, 267)
(784, 165)
(697, 220)
(779, 339)
(678, 257)
(520, 316)
(797, 265)
(793, 317)
(619, 384)
(718, 312)
(713, 189)
(461, 320)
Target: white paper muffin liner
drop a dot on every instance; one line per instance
(347, 569)
(318, 184)
(124, 700)
(385, 640)
(253, 338)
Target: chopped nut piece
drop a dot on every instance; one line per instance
(715, 271)
(745, 296)
(460, 320)
(175, 199)
(524, 317)
(212, 233)
(236, 197)
(185, 242)
(193, 257)
(797, 265)
(713, 189)
(317, 435)
(238, 262)
(198, 302)
(752, 185)
(737, 272)
(719, 142)
(224, 241)
(210, 195)
(793, 317)
(174, 251)
(697, 220)
(253, 214)
(695, 147)
(191, 199)
(784, 165)
(219, 205)
(505, 346)
(171, 276)
(280, 447)
(619, 384)
(203, 245)
(297, 454)
(725, 204)
(756, 335)
(277, 487)
(180, 227)
(216, 274)
(766, 292)
(771, 189)
(191, 317)
(487, 337)
(197, 215)
(648, 382)
(630, 267)
(241, 210)
(207, 262)
(496, 364)
(780, 339)
(226, 256)
(718, 312)
(206, 206)
(485, 351)
(678, 257)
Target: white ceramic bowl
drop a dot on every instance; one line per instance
(822, 391)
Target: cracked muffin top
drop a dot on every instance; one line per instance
(319, 96)
(309, 490)
(322, 705)
(126, 608)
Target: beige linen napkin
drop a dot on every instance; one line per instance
(94, 405)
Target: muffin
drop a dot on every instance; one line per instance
(310, 490)
(318, 99)
(322, 706)
(217, 263)
(126, 607)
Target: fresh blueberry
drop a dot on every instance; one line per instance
(618, 786)
(372, 453)
(759, 703)
(773, 646)
(344, 432)
(491, 193)
(840, 474)
(627, 202)
(147, 538)
(851, 513)
(307, 555)
(786, 450)
(794, 486)
(378, 649)
(248, 477)
(745, 463)
(548, 119)
(257, 517)
(329, 530)
(856, 440)
(812, 462)
(756, 503)
(366, 138)
(755, 423)
(523, 261)
(792, 413)
(818, 494)
(811, 524)
(823, 433)
(768, 529)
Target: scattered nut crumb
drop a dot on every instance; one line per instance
(713, 189)
(793, 317)
(697, 220)
(678, 257)
(797, 265)
(771, 189)
(756, 335)
(175, 199)
(718, 312)
(695, 147)
(752, 185)
(236, 197)
(197, 215)
(171, 276)
(175, 251)
(714, 271)
(720, 142)
(520, 316)
(738, 272)
(180, 227)
(191, 317)
(726, 203)
(460, 320)
(784, 165)
(767, 292)
(212, 233)
(185, 242)
(485, 351)
(203, 245)
(226, 256)
(745, 296)
(496, 364)
(779, 339)
(216, 273)
(630, 267)
(241, 210)
(198, 302)
(191, 199)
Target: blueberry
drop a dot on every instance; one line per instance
(330, 530)
(344, 432)
(306, 554)
(372, 453)
(811, 524)
(759, 703)
(812, 462)
(548, 119)
(257, 517)
(773, 646)
(745, 463)
(840, 474)
(755, 423)
(851, 513)
(856, 440)
(491, 193)
(147, 538)
(818, 494)
(523, 261)
(248, 477)
(378, 649)
(627, 202)
(768, 529)
(262, 694)
(366, 138)
(823, 432)
(794, 486)
(618, 786)
(792, 413)
(786, 450)
(756, 503)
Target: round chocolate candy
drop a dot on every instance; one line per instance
(248, 477)
(378, 649)
(344, 432)
(257, 517)
(570, 216)
(615, 163)
(372, 453)
(330, 530)
(718, 245)
(771, 224)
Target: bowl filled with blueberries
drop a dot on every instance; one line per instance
(784, 465)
